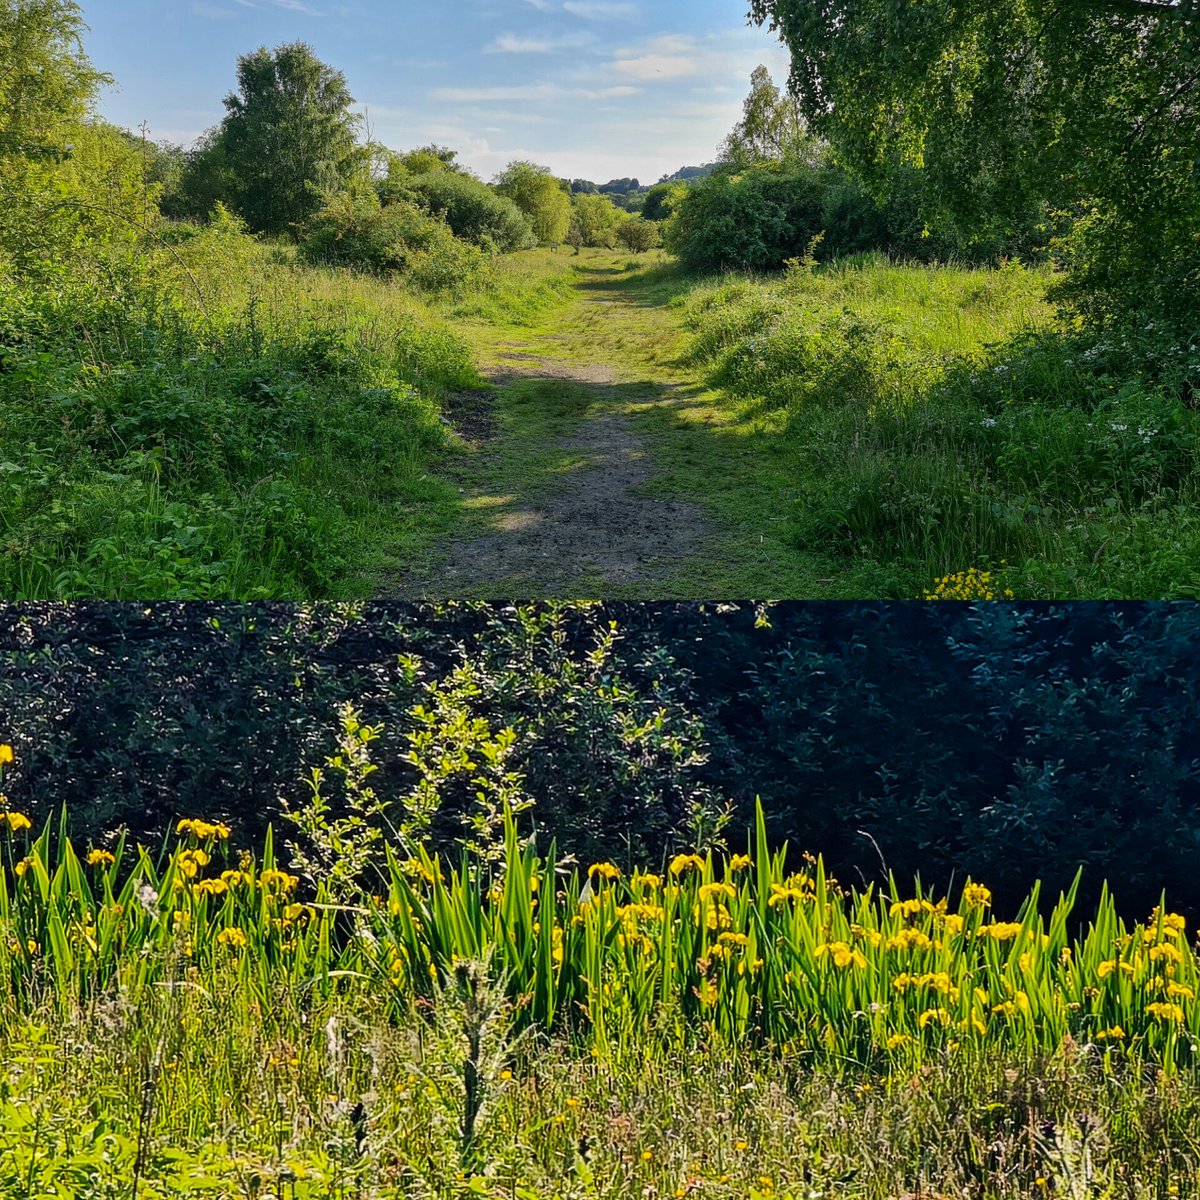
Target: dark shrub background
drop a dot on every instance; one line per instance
(1010, 742)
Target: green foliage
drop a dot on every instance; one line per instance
(157, 451)
(771, 130)
(473, 210)
(639, 235)
(193, 1024)
(353, 229)
(289, 135)
(754, 221)
(599, 220)
(960, 739)
(926, 442)
(540, 196)
(661, 200)
(1090, 108)
(48, 85)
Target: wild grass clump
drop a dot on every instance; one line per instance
(203, 1021)
(940, 422)
(211, 418)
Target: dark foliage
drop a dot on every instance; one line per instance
(1008, 742)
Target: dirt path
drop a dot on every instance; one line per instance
(588, 532)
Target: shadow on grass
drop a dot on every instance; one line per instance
(571, 502)
(652, 286)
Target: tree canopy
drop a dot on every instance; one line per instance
(46, 79)
(1091, 106)
(540, 196)
(772, 128)
(289, 134)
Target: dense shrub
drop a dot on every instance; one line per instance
(1010, 742)
(161, 444)
(472, 210)
(769, 214)
(756, 220)
(354, 229)
(639, 235)
(935, 420)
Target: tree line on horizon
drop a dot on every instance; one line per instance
(1085, 159)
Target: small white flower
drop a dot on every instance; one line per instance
(988, 422)
(148, 899)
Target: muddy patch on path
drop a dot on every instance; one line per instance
(588, 532)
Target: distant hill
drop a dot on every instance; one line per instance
(687, 174)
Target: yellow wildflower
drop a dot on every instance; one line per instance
(280, 879)
(1165, 1011)
(1165, 950)
(646, 880)
(842, 954)
(233, 937)
(191, 862)
(203, 831)
(896, 1040)
(908, 939)
(717, 891)
(16, 821)
(6, 753)
(975, 895)
(100, 858)
(686, 862)
(1001, 931)
(605, 870)
(740, 862)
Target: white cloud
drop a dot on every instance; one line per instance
(666, 57)
(289, 5)
(610, 93)
(511, 43)
(600, 10)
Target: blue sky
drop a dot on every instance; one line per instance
(596, 89)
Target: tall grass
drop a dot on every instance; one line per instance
(741, 950)
(222, 421)
(938, 420)
(202, 1021)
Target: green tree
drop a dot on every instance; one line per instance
(426, 159)
(472, 210)
(71, 187)
(639, 235)
(1092, 106)
(772, 129)
(47, 83)
(289, 136)
(661, 200)
(599, 219)
(540, 196)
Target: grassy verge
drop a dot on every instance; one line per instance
(221, 421)
(934, 426)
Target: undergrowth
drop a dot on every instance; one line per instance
(940, 420)
(210, 418)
